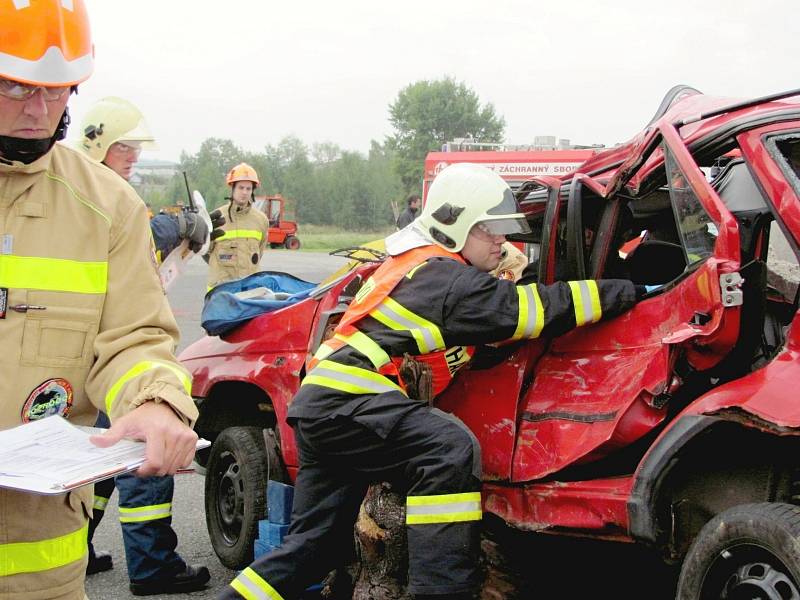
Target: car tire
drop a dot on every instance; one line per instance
(291, 242)
(239, 466)
(748, 551)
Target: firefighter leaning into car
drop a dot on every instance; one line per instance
(358, 420)
(84, 322)
(238, 252)
(114, 132)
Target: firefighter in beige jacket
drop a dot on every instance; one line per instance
(238, 252)
(84, 322)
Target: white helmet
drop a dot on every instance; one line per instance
(463, 195)
(113, 120)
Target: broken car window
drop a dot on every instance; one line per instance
(698, 232)
(788, 157)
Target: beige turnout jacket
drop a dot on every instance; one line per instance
(237, 253)
(84, 324)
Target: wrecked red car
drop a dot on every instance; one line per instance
(674, 425)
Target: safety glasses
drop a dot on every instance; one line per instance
(482, 232)
(491, 229)
(125, 149)
(15, 90)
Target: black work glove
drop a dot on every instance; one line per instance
(217, 221)
(192, 227)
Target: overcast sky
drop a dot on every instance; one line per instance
(255, 71)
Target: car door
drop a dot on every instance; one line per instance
(601, 388)
(487, 400)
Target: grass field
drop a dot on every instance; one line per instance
(318, 238)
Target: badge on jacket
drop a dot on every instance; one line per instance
(51, 397)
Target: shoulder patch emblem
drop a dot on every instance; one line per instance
(51, 397)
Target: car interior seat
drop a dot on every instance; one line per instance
(656, 262)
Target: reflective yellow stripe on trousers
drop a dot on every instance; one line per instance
(53, 274)
(144, 367)
(252, 587)
(586, 299)
(395, 316)
(443, 508)
(32, 557)
(145, 513)
(349, 379)
(241, 233)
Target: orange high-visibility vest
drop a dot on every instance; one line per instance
(443, 362)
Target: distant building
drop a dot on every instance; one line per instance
(157, 168)
(151, 178)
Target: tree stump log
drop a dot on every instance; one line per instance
(380, 571)
(381, 547)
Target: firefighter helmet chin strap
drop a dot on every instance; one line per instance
(25, 150)
(233, 206)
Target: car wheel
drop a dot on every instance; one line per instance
(746, 552)
(238, 468)
(291, 242)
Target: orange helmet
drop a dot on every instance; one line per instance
(45, 42)
(242, 172)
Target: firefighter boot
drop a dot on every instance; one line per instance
(191, 579)
(99, 562)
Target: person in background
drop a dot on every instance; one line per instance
(512, 263)
(115, 133)
(85, 324)
(410, 213)
(237, 253)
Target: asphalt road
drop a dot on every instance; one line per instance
(560, 568)
(189, 521)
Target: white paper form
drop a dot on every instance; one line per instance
(52, 456)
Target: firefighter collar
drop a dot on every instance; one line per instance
(14, 166)
(408, 238)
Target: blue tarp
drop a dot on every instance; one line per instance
(223, 311)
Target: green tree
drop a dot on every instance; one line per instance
(291, 172)
(385, 184)
(426, 114)
(323, 185)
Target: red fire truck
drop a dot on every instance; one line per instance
(514, 166)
